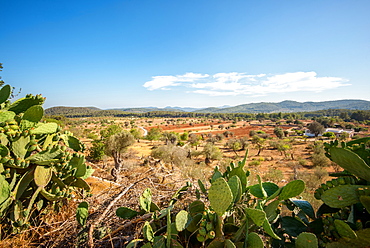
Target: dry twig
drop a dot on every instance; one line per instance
(128, 224)
(91, 228)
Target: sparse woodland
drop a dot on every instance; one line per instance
(181, 181)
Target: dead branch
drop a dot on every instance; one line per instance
(91, 228)
(128, 224)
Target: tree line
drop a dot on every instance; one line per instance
(344, 114)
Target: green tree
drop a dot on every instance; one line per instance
(184, 136)
(279, 132)
(234, 145)
(228, 133)
(170, 138)
(115, 146)
(110, 130)
(329, 135)
(316, 128)
(211, 152)
(97, 150)
(154, 134)
(283, 148)
(243, 142)
(343, 136)
(252, 133)
(136, 133)
(219, 136)
(259, 142)
(194, 140)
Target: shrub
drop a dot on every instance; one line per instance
(273, 175)
(302, 162)
(320, 159)
(170, 154)
(97, 150)
(254, 163)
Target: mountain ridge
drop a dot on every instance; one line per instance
(260, 107)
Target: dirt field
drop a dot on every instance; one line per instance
(269, 159)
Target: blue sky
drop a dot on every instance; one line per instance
(116, 54)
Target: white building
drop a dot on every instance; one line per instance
(336, 131)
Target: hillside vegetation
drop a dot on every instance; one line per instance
(291, 106)
(262, 107)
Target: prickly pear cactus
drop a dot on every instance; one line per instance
(347, 195)
(344, 217)
(220, 196)
(39, 164)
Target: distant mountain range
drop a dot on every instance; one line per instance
(291, 106)
(262, 107)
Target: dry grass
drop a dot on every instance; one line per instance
(62, 230)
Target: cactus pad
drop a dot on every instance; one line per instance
(78, 162)
(126, 213)
(257, 216)
(269, 187)
(362, 241)
(183, 219)
(350, 161)
(268, 229)
(4, 189)
(202, 187)
(239, 171)
(23, 104)
(146, 199)
(82, 213)
(340, 196)
(6, 115)
(148, 232)
(229, 244)
(236, 187)
(365, 200)
(292, 189)
(42, 175)
(49, 196)
(220, 196)
(196, 207)
(33, 114)
(305, 206)
(306, 240)
(5, 93)
(254, 241)
(344, 230)
(19, 147)
(271, 210)
(45, 128)
(72, 142)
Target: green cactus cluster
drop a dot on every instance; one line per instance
(206, 230)
(343, 180)
(232, 213)
(228, 212)
(343, 220)
(40, 165)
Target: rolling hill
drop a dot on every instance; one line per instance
(291, 106)
(262, 107)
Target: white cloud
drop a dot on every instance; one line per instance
(162, 82)
(234, 83)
